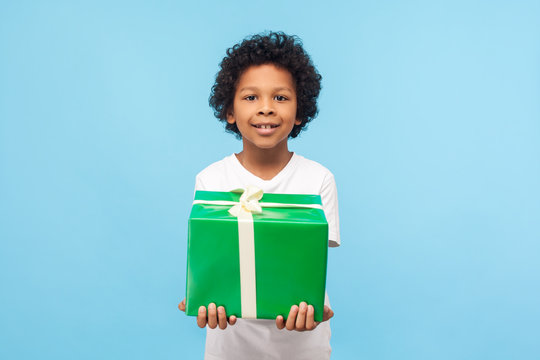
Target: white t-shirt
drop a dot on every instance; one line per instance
(261, 339)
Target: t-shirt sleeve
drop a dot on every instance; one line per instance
(330, 204)
(198, 183)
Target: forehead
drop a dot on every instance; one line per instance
(265, 76)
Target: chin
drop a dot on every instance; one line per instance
(266, 143)
(266, 146)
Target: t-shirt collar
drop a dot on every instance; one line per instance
(276, 178)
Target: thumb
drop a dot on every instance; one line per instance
(327, 313)
(182, 305)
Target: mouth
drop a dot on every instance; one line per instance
(265, 126)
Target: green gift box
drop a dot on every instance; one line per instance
(256, 264)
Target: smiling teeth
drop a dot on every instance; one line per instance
(264, 126)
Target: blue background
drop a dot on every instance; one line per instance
(429, 119)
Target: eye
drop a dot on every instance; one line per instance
(250, 98)
(280, 98)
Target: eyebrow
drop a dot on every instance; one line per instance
(254, 88)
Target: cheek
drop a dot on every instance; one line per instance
(293, 111)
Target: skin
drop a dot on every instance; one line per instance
(265, 94)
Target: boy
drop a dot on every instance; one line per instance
(266, 92)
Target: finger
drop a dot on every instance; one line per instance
(301, 318)
(291, 320)
(327, 313)
(310, 319)
(182, 305)
(232, 320)
(212, 316)
(279, 322)
(201, 317)
(222, 318)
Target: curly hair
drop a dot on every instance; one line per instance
(276, 48)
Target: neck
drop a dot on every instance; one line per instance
(264, 163)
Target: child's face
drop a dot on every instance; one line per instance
(264, 107)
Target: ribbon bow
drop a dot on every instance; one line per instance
(249, 202)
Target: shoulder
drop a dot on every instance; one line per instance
(212, 176)
(215, 168)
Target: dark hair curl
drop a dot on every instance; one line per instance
(276, 48)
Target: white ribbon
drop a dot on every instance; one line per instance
(249, 202)
(243, 210)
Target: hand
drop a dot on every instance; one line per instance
(302, 318)
(216, 317)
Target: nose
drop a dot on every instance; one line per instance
(266, 108)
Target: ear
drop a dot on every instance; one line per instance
(230, 117)
(297, 121)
